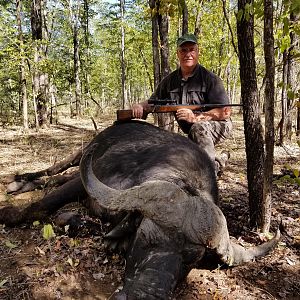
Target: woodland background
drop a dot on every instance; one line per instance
(85, 57)
(81, 59)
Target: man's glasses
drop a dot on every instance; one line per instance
(186, 50)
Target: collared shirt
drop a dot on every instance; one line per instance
(201, 87)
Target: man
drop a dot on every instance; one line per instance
(191, 83)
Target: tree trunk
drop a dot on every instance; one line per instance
(77, 60)
(166, 120)
(197, 29)
(282, 123)
(298, 121)
(185, 17)
(252, 123)
(23, 89)
(155, 43)
(288, 85)
(160, 52)
(163, 24)
(269, 114)
(53, 104)
(123, 63)
(291, 80)
(40, 79)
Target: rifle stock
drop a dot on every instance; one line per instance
(126, 114)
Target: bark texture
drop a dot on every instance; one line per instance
(252, 123)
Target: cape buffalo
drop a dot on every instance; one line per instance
(162, 189)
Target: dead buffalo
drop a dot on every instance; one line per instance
(160, 189)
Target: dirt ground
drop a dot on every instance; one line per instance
(78, 267)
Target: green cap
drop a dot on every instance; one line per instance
(188, 37)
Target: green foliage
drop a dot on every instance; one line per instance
(258, 9)
(10, 245)
(292, 178)
(100, 39)
(292, 6)
(36, 223)
(245, 13)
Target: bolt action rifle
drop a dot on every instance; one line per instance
(166, 106)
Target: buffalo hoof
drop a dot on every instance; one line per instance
(10, 216)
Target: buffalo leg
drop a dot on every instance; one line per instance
(71, 191)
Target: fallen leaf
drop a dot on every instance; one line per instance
(10, 245)
(290, 262)
(48, 232)
(36, 223)
(2, 283)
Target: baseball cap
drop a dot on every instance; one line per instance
(188, 37)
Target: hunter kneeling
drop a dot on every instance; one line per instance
(192, 84)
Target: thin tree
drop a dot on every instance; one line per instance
(291, 78)
(163, 25)
(269, 114)
(224, 4)
(86, 59)
(252, 123)
(23, 89)
(40, 78)
(160, 46)
(75, 28)
(197, 29)
(284, 104)
(123, 63)
(155, 42)
(288, 79)
(185, 16)
(73, 8)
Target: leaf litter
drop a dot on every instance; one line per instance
(58, 266)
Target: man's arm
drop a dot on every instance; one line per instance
(215, 114)
(184, 112)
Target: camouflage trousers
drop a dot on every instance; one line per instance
(209, 133)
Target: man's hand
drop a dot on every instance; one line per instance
(137, 111)
(216, 114)
(186, 114)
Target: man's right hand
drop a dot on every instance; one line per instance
(138, 110)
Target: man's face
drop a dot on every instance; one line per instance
(188, 55)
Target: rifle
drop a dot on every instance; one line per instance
(165, 106)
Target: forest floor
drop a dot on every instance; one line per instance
(78, 267)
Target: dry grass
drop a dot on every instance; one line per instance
(79, 268)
